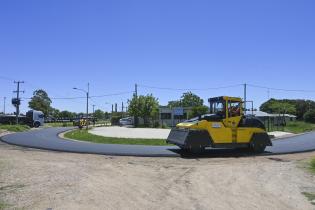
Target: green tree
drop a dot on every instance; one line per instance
(174, 104)
(197, 111)
(301, 106)
(282, 108)
(309, 116)
(40, 101)
(67, 114)
(188, 99)
(106, 115)
(99, 114)
(134, 107)
(265, 107)
(143, 106)
(116, 116)
(55, 113)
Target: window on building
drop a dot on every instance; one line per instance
(178, 117)
(166, 116)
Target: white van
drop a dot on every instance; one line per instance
(35, 118)
(127, 121)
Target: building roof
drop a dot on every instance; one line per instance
(265, 114)
(259, 113)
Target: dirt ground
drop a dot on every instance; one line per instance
(35, 179)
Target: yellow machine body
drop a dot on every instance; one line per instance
(225, 126)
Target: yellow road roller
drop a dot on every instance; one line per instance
(225, 126)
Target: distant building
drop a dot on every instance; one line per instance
(275, 119)
(172, 116)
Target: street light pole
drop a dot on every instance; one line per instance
(87, 103)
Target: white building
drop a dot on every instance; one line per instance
(172, 116)
(277, 119)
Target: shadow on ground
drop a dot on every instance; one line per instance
(217, 153)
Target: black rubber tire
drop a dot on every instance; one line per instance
(257, 147)
(36, 124)
(197, 150)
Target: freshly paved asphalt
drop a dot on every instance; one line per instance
(48, 139)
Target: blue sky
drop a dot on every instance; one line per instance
(56, 45)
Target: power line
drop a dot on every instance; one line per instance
(61, 98)
(281, 89)
(6, 78)
(80, 97)
(98, 104)
(112, 94)
(190, 89)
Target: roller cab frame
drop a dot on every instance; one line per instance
(224, 127)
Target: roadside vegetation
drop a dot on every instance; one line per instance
(310, 195)
(303, 109)
(59, 124)
(14, 128)
(83, 135)
(299, 127)
(312, 165)
(3, 205)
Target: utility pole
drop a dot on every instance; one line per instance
(245, 86)
(18, 100)
(93, 109)
(4, 98)
(136, 90)
(87, 106)
(136, 96)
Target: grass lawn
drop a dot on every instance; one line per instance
(15, 128)
(310, 195)
(299, 127)
(3, 205)
(59, 124)
(312, 165)
(83, 135)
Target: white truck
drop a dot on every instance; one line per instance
(35, 118)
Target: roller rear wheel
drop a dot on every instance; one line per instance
(257, 147)
(197, 150)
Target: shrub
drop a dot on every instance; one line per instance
(164, 125)
(156, 124)
(313, 164)
(115, 120)
(309, 116)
